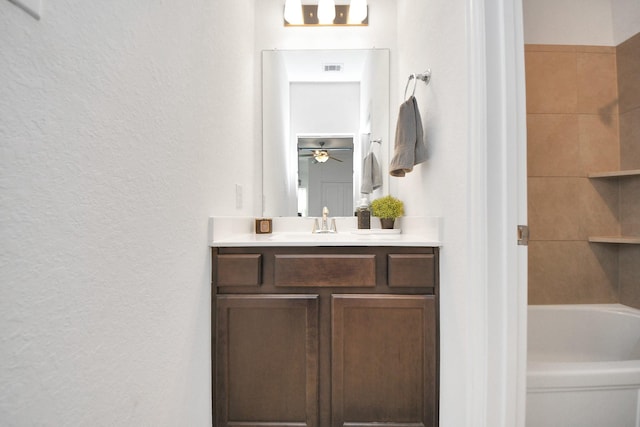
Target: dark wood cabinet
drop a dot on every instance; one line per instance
(325, 336)
(267, 360)
(383, 360)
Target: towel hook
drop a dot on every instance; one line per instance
(425, 77)
(411, 77)
(371, 142)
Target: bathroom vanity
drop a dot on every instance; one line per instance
(319, 333)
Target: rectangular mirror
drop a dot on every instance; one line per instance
(323, 113)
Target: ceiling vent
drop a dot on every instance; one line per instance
(328, 68)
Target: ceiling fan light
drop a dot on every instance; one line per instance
(321, 156)
(326, 11)
(357, 11)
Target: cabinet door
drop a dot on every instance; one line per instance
(384, 360)
(267, 360)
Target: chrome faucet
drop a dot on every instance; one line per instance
(325, 214)
(324, 225)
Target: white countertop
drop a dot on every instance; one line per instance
(296, 231)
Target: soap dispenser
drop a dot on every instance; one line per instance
(364, 215)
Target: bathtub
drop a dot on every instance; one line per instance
(583, 366)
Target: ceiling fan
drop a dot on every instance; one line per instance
(320, 155)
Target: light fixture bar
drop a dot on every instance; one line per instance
(310, 17)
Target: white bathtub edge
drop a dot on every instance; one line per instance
(618, 308)
(544, 377)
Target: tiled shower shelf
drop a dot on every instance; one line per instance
(616, 174)
(629, 240)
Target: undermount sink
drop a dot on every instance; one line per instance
(346, 236)
(305, 236)
(297, 236)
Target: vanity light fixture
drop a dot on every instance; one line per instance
(325, 13)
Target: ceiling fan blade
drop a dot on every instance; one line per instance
(335, 158)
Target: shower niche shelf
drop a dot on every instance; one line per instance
(624, 240)
(629, 240)
(615, 174)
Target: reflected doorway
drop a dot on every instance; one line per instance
(325, 175)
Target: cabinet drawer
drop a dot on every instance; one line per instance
(239, 270)
(411, 270)
(325, 270)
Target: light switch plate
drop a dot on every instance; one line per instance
(32, 7)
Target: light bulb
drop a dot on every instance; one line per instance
(326, 11)
(293, 12)
(357, 11)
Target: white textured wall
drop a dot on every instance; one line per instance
(581, 22)
(626, 19)
(432, 34)
(119, 136)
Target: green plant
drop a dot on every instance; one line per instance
(387, 207)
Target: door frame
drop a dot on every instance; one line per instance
(497, 200)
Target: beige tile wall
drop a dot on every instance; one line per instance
(583, 115)
(572, 121)
(628, 64)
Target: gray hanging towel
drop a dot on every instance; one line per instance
(409, 147)
(371, 174)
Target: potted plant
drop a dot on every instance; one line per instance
(387, 208)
